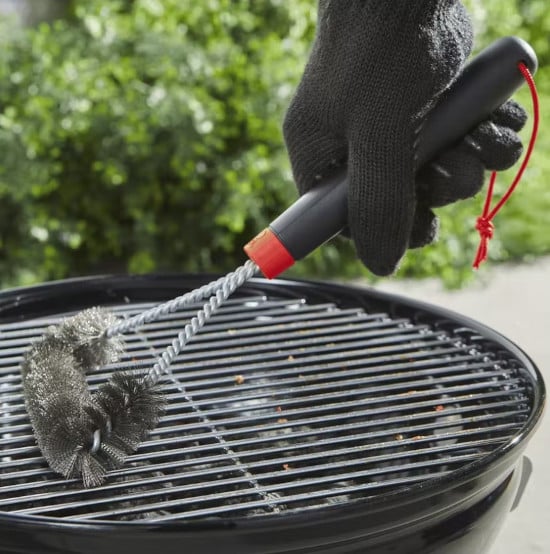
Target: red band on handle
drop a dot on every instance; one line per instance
(269, 254)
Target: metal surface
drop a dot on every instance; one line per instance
(280, 405)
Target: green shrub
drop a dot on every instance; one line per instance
(145, 135)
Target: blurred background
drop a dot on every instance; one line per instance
(145, 135)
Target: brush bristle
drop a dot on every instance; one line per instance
(84, 334)
(56, 396)
(65, 416)
(66, 442)
(133, 407)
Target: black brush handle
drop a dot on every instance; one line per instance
(484, 84)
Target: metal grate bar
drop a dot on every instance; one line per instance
(313, 421)
(6, 419)
(217, 365)
(499, 431)
(312, 334)
(389, 372)
(496, 405)
(245, 337)
(133, 308)
(286, 501)
(406, 387)
(285, 361)
(181, 503)
(220, 483)
(315, 433)
(259, 463)
(282, 326)
(288, 413)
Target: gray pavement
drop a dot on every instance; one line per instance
(514, 300)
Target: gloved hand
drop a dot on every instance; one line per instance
(375, 70)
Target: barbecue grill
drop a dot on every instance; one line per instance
(305, 417)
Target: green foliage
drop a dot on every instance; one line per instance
(145, 135)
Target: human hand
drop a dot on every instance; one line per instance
(375, 70)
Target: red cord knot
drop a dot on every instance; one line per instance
(484, 224)
(485, 227)
(486, 231)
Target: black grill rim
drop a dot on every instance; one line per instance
(23, 303)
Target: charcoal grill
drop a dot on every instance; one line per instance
(305, 417)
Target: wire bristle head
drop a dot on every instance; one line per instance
(84, 334)
(124, 410)
(82, 434)
(66, 444)
(133, 407)
(90, 469)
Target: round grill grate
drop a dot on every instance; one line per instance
(294, 397)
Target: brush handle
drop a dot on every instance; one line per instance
(484, 84)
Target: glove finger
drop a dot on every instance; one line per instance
(510, 114)
(455, 175)
(459, 172)
(497, 147)
(381, 200)
(425, 227)
(312, 151)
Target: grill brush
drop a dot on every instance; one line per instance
(84, 434)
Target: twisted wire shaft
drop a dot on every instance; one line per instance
(225, 287)
(127, 325)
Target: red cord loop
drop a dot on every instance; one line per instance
(484, 223)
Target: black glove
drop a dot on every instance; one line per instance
(375, 70)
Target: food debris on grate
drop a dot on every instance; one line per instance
(276, 405)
